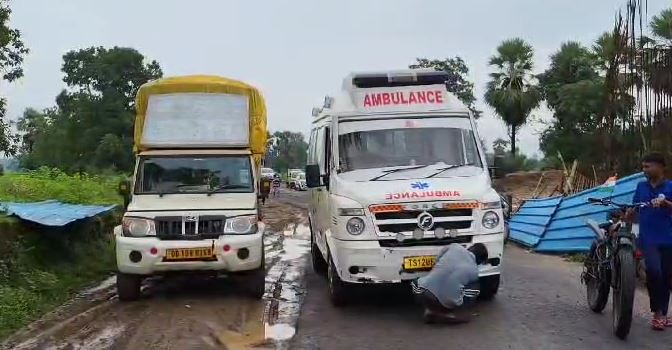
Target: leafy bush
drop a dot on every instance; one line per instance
(47, 183)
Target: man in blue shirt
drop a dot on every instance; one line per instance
(452, 284)
(655, 236)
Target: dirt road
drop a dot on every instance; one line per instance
(541, 306)
(188, 313)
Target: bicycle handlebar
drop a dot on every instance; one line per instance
(609, 202)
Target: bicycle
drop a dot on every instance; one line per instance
(611, 265)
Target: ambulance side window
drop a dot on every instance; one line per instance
(319, 150)
(327, 150)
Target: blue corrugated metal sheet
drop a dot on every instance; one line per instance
(54, 213)
(567, 230)
(528, 225)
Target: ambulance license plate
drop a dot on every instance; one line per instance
(412, 263)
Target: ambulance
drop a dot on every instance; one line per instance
(396, 172)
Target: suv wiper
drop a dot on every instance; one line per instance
(225, 187)
(441, 170)
(388, 172)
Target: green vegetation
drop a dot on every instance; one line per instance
(40, 270)
(45, 184)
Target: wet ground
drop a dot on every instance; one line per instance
(188, 312)
(540, 306)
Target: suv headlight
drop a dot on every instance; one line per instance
(241, 224)
(490, 220)
(138, 227)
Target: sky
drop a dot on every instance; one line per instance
(298, 51)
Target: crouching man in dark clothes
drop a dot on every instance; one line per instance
(452, 285)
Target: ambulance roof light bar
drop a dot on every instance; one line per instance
(401, 78)
(316, 111)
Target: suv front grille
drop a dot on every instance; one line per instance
(177, 227)
(393, 243)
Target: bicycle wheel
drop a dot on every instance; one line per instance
(596, 278)
(624, 291)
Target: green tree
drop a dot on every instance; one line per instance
(661, 27)
(499, 146)
(289, 151)
(12, 53)
(457, 83)
(91, 127)
(512, 92)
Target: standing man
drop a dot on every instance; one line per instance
(655, 236)
(452, 284)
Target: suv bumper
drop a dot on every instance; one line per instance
(385, 265)
(150, 264)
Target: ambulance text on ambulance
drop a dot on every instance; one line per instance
(422, 194)
(403, 98)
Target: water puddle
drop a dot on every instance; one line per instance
(272, 323)
(106, 284)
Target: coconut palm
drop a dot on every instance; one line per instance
(512, 91)
(661, 27)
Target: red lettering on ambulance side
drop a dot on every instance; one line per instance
(367, 100)
(422, 96)
(395, 98)
(404, 101)
(439, 96)
(386, 98)
(388, 196)
(377, 100)
(412, 99)
(405, 195)
(430, 97)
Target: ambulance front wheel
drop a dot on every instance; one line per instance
(338, 290)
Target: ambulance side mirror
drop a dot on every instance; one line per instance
(313, 178)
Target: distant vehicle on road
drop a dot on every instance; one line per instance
(298, 182)
(291, 173)
(267, 173)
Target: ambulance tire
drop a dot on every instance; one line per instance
(128, 286)
(338, 290)
(489, 287)
(319, 264)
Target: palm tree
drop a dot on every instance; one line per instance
(511, 90)
(661, 27)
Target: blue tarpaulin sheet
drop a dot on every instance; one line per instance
(54, 213)
(558, 225)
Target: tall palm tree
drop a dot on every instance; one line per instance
(512, 90)
(661, 27)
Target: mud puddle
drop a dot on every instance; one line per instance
(188, 312)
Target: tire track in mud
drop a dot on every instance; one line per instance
(187, 312)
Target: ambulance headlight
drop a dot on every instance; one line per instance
(355, 226)
(490, 220)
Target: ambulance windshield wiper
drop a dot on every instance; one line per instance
(390, 171)
(441, 170)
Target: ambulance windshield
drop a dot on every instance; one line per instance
(407, 146)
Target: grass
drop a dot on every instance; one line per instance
(40, 268)
(43, 278)
(46, 183)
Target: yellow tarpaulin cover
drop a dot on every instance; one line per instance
(206, 84)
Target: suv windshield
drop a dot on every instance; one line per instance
(371, 149)
(169, 174)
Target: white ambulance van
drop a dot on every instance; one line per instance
(396, 172)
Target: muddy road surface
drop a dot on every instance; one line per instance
(188, 312)
(541, 305)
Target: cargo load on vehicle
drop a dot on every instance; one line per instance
(200, 111)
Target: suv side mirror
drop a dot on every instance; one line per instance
(313, 178)
(124, 191)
